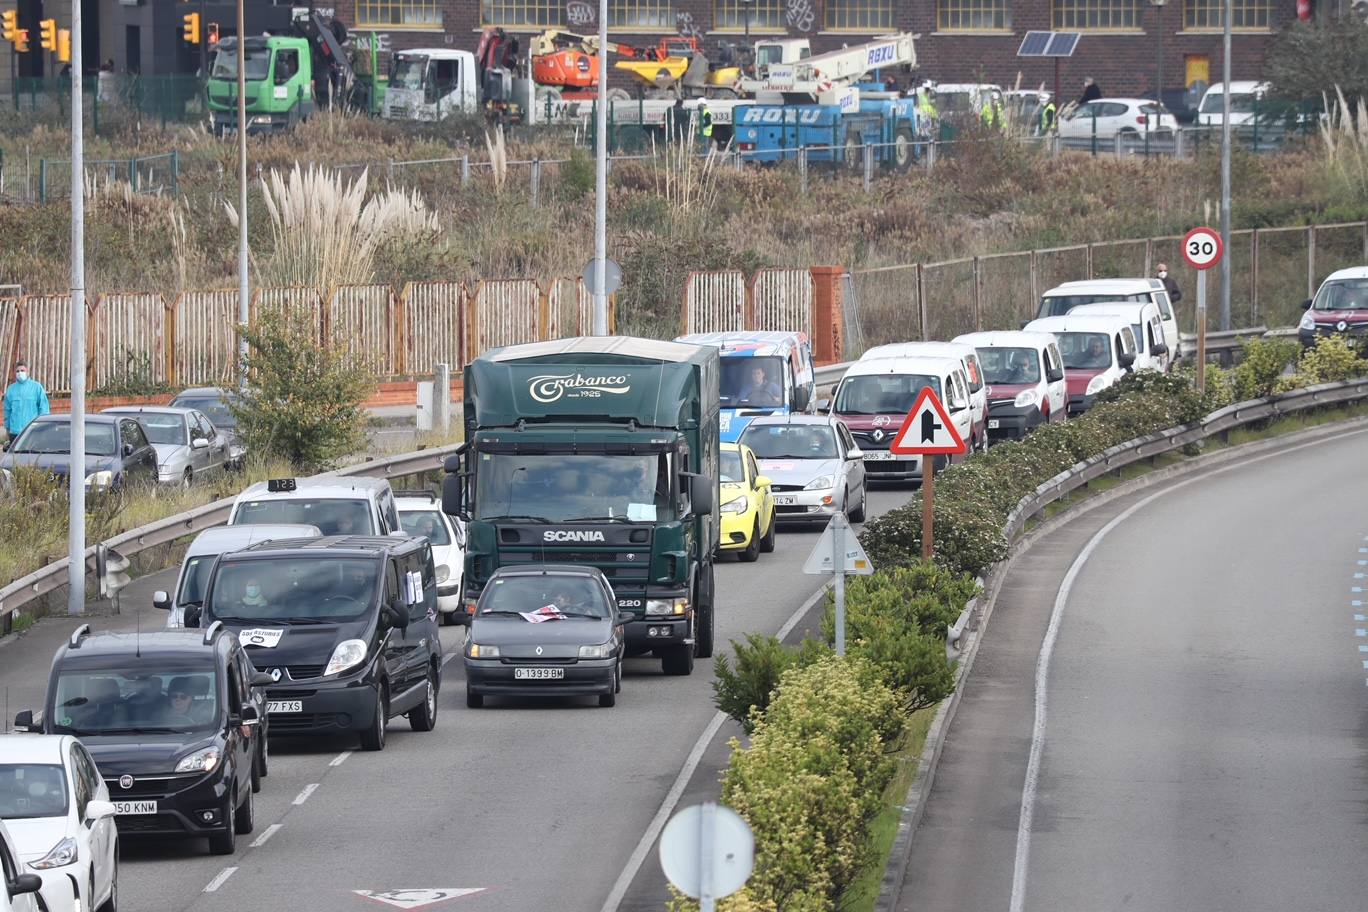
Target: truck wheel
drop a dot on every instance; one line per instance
(704, 603)
(752, 552)
(678, 661)
(904, 151)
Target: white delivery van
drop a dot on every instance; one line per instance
(978, 395)
(1025, 378)
(1151, 341)
(1097, 351)
(336, 504)
(1064, 298)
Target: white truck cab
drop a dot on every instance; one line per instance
(1151, 340)
(336, 504)
(1098, 350)
(430, 84)
(968, 355)
(1025, 377)
(1064, 298)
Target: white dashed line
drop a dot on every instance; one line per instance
(304, 795)
(340, 759)
(219, 880)
(270, 831)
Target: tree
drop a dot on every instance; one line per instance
(303, 401)
(1308, 60)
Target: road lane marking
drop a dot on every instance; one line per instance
(1029, 787)
(304, 795)
(1360, 617)
(270, 831)
(1360, 632)
(340, 759)
(220, 879)
(421, 898)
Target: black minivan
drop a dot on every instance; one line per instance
(173, 719)
(346, 627)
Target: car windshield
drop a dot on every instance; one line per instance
(565, 487)
(752, 382)
(883, 394)
(791, 441)
(331, 516)
(32, 790)
(954, 103)
(1010, 365)
(427, 523)
(160, 699)
(257, 58)
(163, 428)
(1240, 103)
(1058, 305)
(217, 410)
(408, 72)
(572, 595)
(312, 588)
(55, 437)
(196, 576)
(1084, 350)
(1342, 294)
(730, 466)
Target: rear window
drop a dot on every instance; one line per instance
(331, 516)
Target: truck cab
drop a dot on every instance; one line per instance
(600, 452)
(279, 84)
(782, 362)
(430, 84)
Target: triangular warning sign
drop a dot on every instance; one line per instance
(823, 561)
(927, 430)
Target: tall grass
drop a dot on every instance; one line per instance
(1344, 141)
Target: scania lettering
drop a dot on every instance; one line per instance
(600, 452)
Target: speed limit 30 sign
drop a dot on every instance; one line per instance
(1202, 248)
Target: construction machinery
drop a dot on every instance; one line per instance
(830, 78)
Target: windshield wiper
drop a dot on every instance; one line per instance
(139, 730)
(607, 519)
(517, 516)
(499, 612)
(580, 614)
(302, 620)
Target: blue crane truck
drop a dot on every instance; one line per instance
(833, 133)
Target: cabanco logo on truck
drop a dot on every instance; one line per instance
(551, 387)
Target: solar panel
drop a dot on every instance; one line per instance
(1034, 44)
(1062, 44)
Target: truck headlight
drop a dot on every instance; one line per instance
(820, 483)
(201, 761)
(1308, 322)
(62, 854)
(347, 655)
(666, 607)
(1025, 399)
(101, 479)
(736, 505)
(443, 573)
(476, 651)
(601, 651)
(1096, 385)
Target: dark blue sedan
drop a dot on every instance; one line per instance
(117, 453)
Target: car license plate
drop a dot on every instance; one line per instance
(880, 455)
(284, 706)
(538, 674)
(785, 500)
(135, 807)
(993, 424)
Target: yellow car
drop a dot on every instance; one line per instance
(747, 504)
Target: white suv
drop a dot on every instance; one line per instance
(420, 513)
(60, 818)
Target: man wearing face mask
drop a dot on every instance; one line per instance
(25, 400)
(1174, 293)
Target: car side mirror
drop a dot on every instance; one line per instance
(193, 615)
(1024, 324)
(394, 617)
(250, 716)
(1306, 305)
(262, 679)
(1160, 348)
(161, 600)
(200, 443)
(1055, 374)
(824, 406)
(23, 720)
(128, 449)
(701, 493)
(763, 481)
(1127, 359)
(98, 810)
(855, 453)
(801, 397)
(25, 883)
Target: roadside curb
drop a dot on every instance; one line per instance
(914, 806)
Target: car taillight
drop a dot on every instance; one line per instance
(1140, 120)
(746, 147)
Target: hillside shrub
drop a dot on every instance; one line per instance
(1263, 361)
(743, 691)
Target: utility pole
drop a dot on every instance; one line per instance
(601, 180)
(76, 528)
(1225, 166)
(1159, 64)
(243, 314)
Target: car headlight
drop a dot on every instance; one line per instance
(476, 651)
(1307, 321)
(201, 761)
(63, 853)
(1096, 384)
(736, 505)
(820, 483)
(1025, 399)
(443, 573)
(101, 479)
(348, 654)
(601, 651)
(666, 607)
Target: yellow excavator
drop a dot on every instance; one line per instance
(674, 67)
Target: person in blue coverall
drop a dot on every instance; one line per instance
(25, 400)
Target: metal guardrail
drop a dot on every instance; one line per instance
(28, 589)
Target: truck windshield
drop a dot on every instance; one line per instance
(1084, 351)
(258, 61)
(408, 72)
(295, 590)
(1010, 365)
(181, 697)
(566, 488)
(883, 394)
(332, 517)
(754, 382)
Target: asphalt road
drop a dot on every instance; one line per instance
(534, 804)
(1203, 744)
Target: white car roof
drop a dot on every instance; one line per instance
(222, 539)
(1105, 286)
(415, 503)
(1237, 87)
(1118, 308)
(1007, 339)
(30, 748)
(921, 364)
(336, 487)
(434, 53)
(920, 349)
(1353, 272)
(745, 343)
(1077, 321)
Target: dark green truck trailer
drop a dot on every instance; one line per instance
(600, 451)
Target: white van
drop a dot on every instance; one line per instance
(876, 395)
(1025, 377)
(1097, 351)
(336, 504)
(978, 394)
(1151, 341)
(1064, 298)
(204, 550)
(1245, 98)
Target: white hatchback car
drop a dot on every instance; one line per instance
(420, 513)
(20, 885)
(59, 815)
(1129, 118)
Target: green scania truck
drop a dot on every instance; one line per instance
(599, 451)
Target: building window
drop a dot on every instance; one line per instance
(642, 14)
(764, 14)
(973, 15)
(1207, 15)
(1100, 15)
(519, 13)
(859, 15)
(392, 13)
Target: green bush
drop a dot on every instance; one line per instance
(1333, 358)
(1220, 387)
(744, 692)
(1262, 363)
(577, 176)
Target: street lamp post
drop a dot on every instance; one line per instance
(745, 6)
(1159, 65)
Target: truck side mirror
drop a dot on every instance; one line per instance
(453, 495)
(701, 494)
(23, 720)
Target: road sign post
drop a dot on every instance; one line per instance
(838, 554)
(1202, 249)
(928, 432)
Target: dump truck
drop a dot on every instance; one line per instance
(598, 451)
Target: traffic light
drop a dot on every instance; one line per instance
(47, 32)
(21, 41)
(211, 34)
(10, 18)
(64, 45)
(190, 28)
